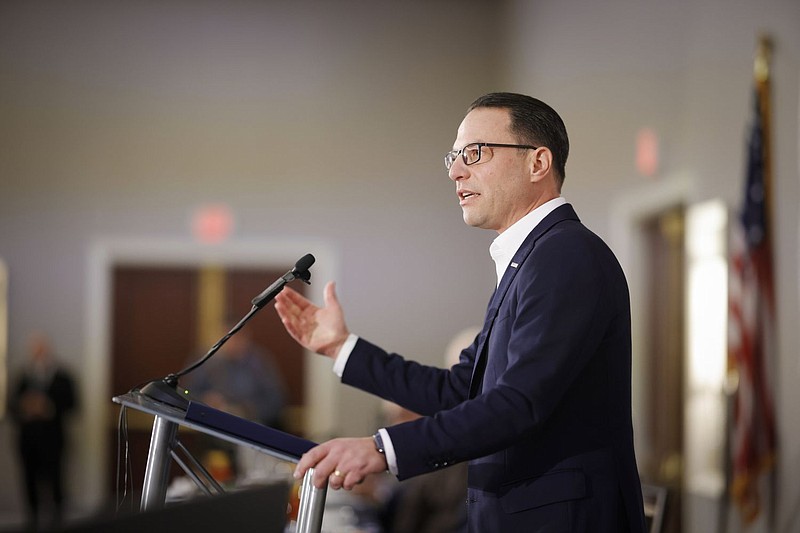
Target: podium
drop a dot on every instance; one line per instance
(165, 445)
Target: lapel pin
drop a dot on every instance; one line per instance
(514, 265)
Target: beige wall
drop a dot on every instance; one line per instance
(326, 122)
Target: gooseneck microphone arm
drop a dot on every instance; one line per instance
(166, 389)
(172, 379)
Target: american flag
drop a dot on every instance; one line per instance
(751, 327)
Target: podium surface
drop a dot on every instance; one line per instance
(226, 426)
(222, 425)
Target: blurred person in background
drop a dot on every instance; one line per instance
(43, 395)
(241, 379)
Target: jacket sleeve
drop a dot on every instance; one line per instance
(422, 389)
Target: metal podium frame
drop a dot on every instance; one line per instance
(164, 444)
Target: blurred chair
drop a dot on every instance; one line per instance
(655, 503)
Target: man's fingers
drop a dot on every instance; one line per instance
(288, 305)
(293, 316)
(352, 480)
(289, 321)
(336, 480)
(295, 297)
(341, 478)
(308, 460)
(343, 463)
(324, 464)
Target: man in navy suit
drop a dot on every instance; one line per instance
(540, 403)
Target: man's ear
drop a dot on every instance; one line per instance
(541, 163)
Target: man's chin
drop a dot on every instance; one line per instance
(474, 221)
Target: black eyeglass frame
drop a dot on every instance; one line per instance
(450, 157)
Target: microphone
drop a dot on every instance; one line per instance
(300, 271)
(166, 390)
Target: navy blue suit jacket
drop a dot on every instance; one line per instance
(540, 403)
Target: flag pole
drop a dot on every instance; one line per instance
(735, 379)
(762, 70)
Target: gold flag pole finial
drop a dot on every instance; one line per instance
(763, 58)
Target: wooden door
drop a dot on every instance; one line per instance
(156, 327)
(666, 356)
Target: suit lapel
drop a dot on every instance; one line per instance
(563, 212)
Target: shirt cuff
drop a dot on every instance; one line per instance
(388, 450)
(344, 354)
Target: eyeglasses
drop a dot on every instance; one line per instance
(472, 152)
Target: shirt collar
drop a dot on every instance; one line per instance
(507, 243)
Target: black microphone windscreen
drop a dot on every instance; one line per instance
(304, 263)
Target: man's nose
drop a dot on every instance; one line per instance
(458, 170)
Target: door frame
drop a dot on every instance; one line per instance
(628, 214)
